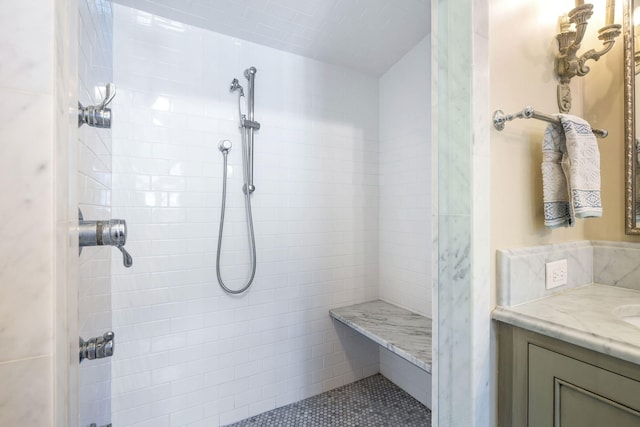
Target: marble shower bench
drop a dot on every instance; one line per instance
(400, 331)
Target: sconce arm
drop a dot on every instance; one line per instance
(574, 47)
(608, 36)
(592, 54)
(580, 18)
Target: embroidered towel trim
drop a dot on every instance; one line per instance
(583, 167)
(555, 194)
(570, 172)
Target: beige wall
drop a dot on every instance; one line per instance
(522, 57)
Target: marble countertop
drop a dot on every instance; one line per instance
(583, 316)
(401, 331)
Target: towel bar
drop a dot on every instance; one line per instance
(499, 119)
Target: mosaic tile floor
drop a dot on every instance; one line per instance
(371, 402)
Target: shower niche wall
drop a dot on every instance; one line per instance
(342, 214)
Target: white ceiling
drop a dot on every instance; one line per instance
(365, 35)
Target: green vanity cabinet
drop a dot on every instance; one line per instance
(543, 382)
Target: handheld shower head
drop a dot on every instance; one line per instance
(235, 85)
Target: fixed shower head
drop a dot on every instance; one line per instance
(235, 85)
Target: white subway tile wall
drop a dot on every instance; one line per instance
(405, 202)
(405, 181)
(95, 53)
(187, 353)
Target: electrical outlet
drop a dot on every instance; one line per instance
(556, 273)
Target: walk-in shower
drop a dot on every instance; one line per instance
(247, 128)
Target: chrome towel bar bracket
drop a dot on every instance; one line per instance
(500, 118)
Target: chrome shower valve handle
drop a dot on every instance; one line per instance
(98, 115)
(127, 259)
(97, 347)
(111, 232)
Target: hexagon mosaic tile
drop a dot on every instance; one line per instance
(372, 402)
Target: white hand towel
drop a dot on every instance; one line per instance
(583, 173)
(555, 194)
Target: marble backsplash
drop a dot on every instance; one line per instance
(616, 264)
(521, 272)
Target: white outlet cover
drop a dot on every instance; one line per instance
(556, 273)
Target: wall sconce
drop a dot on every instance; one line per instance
(572, 29)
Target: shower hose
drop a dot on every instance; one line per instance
(247, 205)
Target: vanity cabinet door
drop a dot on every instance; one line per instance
(567, 392)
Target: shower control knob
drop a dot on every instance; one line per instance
(98, 116)
(98, 347)
(94, 116)
(112, 232)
